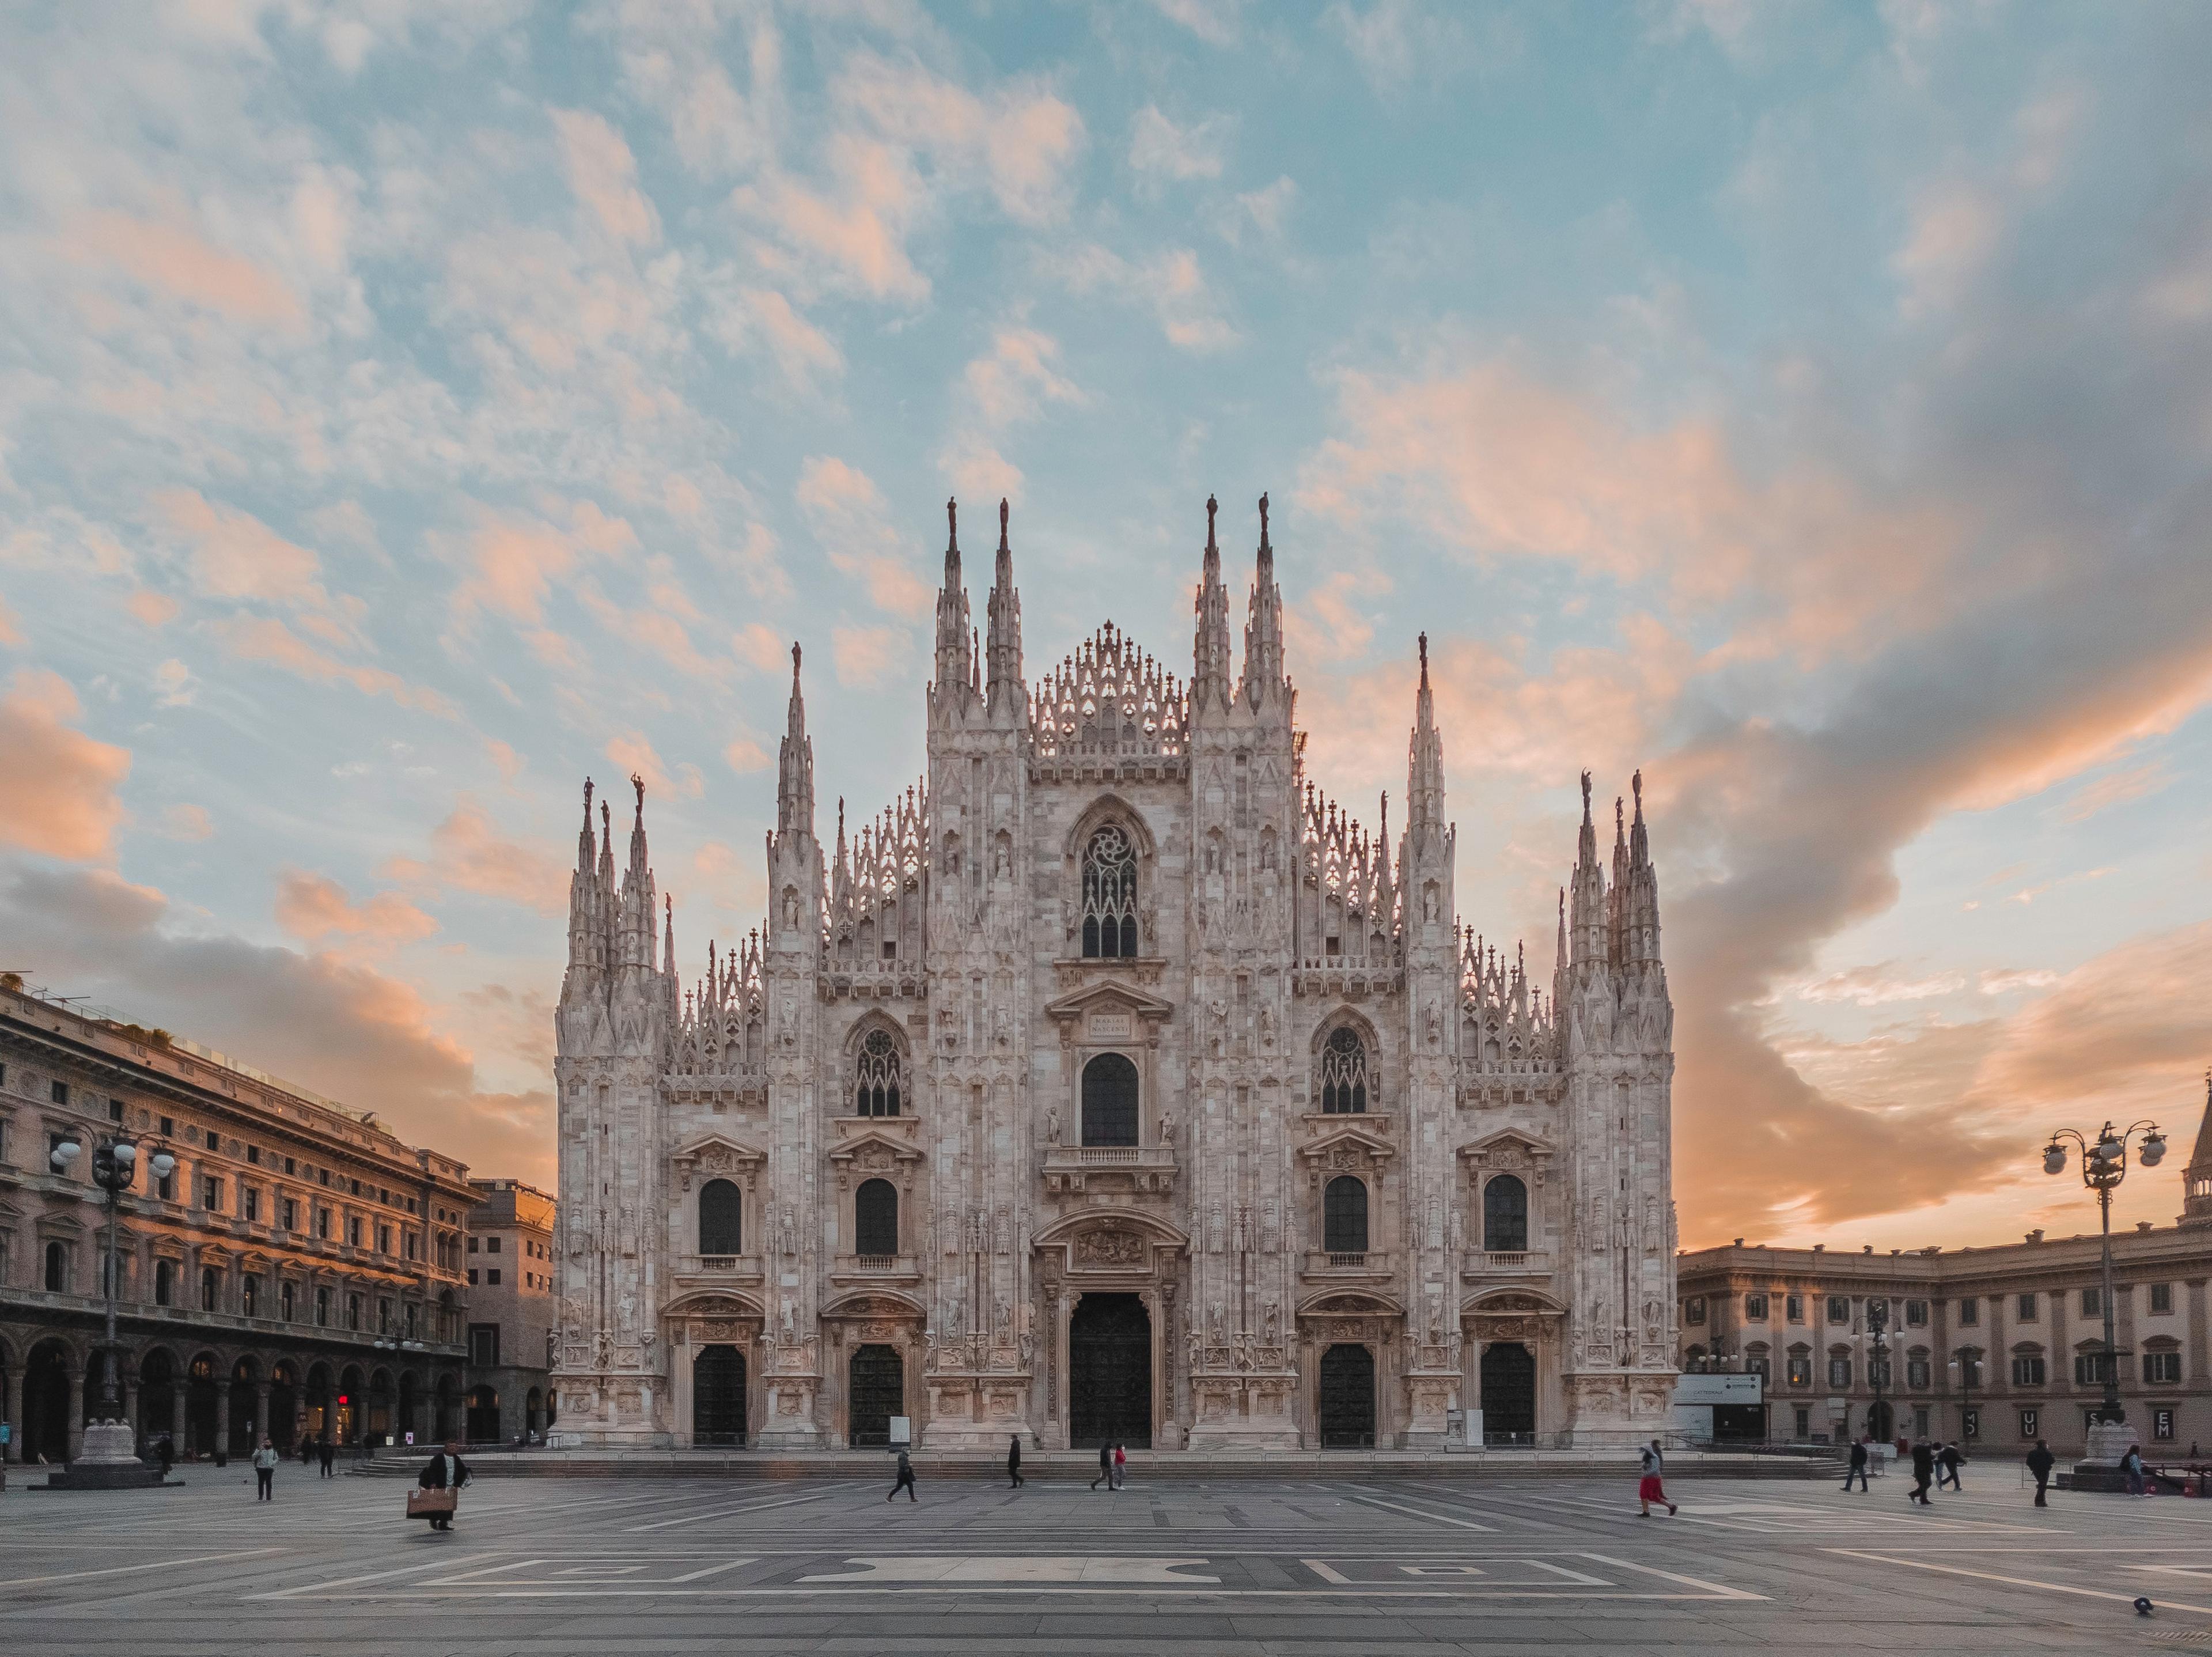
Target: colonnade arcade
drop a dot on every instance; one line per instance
(217, 1399)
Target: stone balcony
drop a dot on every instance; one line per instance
(1490, 1265)
(1342, 1266)
(719, 1271)
(888, 1270)
(1074, 1169)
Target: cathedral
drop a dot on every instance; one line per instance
(1114, 1085)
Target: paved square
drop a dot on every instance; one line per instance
(1486, 1563)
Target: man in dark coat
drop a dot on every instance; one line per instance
(1014, 1462)
(1923, 1470)
(2040, 1462)
(445, 1471)
(326, 1452)
(905, 1479)
(1105, 1467)
(1857, 1469)
(1952, 1461)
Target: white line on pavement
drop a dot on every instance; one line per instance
(1440, 1518)
(2013, 1582)
(153, 1565)
(724, 1513)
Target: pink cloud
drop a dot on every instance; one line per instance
(602, 173)
(265, 639)
(62, 783)
(314, 907)
(637, 757)
(468, 853)
(849, 517)
(514, 560)
(236, 556)
(170, 259)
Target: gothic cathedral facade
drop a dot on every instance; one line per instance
(1114, 1085)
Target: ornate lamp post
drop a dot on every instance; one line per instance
(114, 1164)
(2104, 1165)
(1877, 1320)
(1963, 1366)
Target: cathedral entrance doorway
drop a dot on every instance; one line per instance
(718, 1396)
(1347, 1398)
(1508, 1394)
(875, 1391)
(1110, 1372)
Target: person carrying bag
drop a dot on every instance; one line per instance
(438, 1488)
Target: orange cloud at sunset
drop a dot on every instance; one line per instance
(62, 799)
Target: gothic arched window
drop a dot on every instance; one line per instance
(1344, 1215)
(875, 1218)
(722, 1218)
(876, 1092)
(1110, 895)
(1344, 1073)
(1505, 1216)
(1109, 1100)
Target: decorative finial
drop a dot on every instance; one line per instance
(794, 664)
(1211, 506)
(1620, 818)
(587, 798)
(1586, 796)
(951, 524)
(638, 783)
(1636, 787)
(1263, 521)
(1002, 524)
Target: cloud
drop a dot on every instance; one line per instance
(235, 556)
(1397, 42)
(602, 173)
(1170, 284)
(2009, 983)
(1268, 209)
(172, 260)
(62, 783)
(761, 647)
(1009, 381)
(187, 823)
(1955, 229)
(849, 516)
(745, 754)
(11, 632)
(867, 656)
(314, 907)
(151, 609)
(468, 853)
(174, 685)
(2116, 789)
(338, 1028)
(1214, 22)
(761, 316)
(1878, 986)
(636, 757)
(1160, 149)
(514, 559)
(265, 639)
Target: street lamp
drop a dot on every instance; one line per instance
(2104, 1165)
(114, 1164)
(1963, 1366)
(1877, 1318)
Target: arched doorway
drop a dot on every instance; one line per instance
(320, 1422)
(200, 1406)
(1110, 1372)
(1881, 1421)
(483, 1414)
(244, 1397)
(718, 1396)
(45, 1404)
(352, 1404)
(875, 1391)
(283, 1423)
(409, 1427)
(379, 1407)
(1347, 1398)
(1508, 1394)
(157, 1394)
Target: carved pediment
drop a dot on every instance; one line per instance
(1507, 1150)
(714, 1155)
(1351, 1145)
(1521, 1301)
(1340, 1303)
(716, 1306)
(873, 1150)
(875, 1307)
(1109, 998)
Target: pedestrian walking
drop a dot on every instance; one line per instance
(1857, 1469)
(265, 1471)
(1120, 1467)
(905, 1479)
(326, 1452)
(1923, 1470)
(2131, 1465)
(306, 1451)
(1650, 1487)
(2040, 1462)
(1950, 1459)
(1014, 1462)
(445, 1471)
(166, 1453)
(1105, 1467)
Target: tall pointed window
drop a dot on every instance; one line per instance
(876, 1092)
(1344, 1074)
(1110, 895)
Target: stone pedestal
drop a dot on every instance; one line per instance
(107, 1461)
(790, 1424)
(2100, 1468)
(1244, 1411)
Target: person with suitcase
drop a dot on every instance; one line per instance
(445, 1474)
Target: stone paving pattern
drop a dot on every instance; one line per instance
(1341, 1564)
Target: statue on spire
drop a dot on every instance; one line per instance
(1002, 524)
(1586, 796)
(1263, 520)
(1635, 788)
(1211, 506)
(951, 524)
(638, 783)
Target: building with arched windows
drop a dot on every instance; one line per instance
(1113, 1083)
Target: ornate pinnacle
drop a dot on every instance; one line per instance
(1002, 524)
(951, 524)
(1263, 521)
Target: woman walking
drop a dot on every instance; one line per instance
(1651, 1486)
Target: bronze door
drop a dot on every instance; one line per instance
(1110, 1372)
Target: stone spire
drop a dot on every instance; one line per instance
(794, 783)
(1210, 684)
(1641, 945)
(1003, 647)
(637, 892)
(1263, 629)
(956, 662)
(1424, 767)
(2196, 1181)
(1586, 921)
(585, 936)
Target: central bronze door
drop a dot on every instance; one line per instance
(1347, 1398)
(878, 1391)
(718, 1396)
(1110, 1372)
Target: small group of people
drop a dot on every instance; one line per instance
(1933, 1459)
(1113, 1467)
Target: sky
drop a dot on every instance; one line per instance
(407, 410)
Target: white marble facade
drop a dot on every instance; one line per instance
(1113, 1082)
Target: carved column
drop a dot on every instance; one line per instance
(222, 1418)
(75, 1411)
